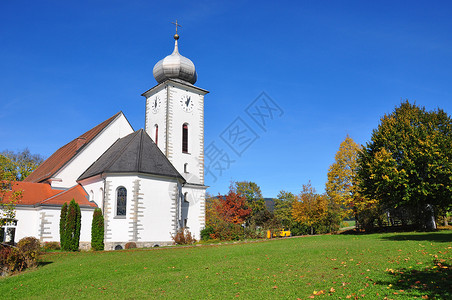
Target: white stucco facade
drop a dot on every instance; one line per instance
(67, 176)
(170, 116)
(43, 222)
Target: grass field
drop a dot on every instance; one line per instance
(399, 266)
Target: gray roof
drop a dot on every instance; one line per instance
(134, 153)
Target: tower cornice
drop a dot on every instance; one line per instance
(179, 83)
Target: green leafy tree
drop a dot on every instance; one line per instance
(283, 209)
(97, 230)
(71, 235)
(20, 164)
(407, 165)
(254, 200)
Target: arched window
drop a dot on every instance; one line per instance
(185, 138)
(186, 168)
(156, 131)
(91, 195)
(121, 201)
(185, 197)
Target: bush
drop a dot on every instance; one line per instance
(229, 231)
(207, 233)
(16, 259)
(50, 246)
(97, 231)
(299, 229)
(29, 247)
(183, 237)
(130, 245)
(5, 252)
(15, 262)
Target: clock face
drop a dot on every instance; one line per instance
(155, 104)
(187, 103)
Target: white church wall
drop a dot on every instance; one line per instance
(150, 210)
(27, 222)
(94, 187)
(194, 209)
(157, 213)
(43, 223)
(68, 175)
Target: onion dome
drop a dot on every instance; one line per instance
(175, 66)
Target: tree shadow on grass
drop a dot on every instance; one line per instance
(431, 282)
(43, 263)
(445, 237)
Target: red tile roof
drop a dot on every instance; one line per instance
(33, 193)
(37, 194)
(63, 155)
(77, 193)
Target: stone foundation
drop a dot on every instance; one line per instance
(84, 246)
(122, 245)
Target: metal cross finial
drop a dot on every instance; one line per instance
(177, 25)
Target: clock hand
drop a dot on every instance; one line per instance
(188, 101)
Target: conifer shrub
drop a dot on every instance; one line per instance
(63, 217)
(97, 231)
(130, 245)
(183, 237)
(70, 236)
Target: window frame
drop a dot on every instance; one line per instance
(117, 215)
(185, 138)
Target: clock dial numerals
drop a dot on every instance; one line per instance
(187, 103)
(155, 104)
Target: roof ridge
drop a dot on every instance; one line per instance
(63, 155)
(59, 194)
(121, 151)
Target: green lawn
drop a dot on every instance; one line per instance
(399, 266)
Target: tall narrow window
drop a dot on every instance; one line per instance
(186, 168)
(185, 138)
(121, 201)
(156, 134)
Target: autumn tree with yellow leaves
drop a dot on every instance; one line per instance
(310, 208)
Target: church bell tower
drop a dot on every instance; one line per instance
(175, 115)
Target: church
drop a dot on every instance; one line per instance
(148, 183)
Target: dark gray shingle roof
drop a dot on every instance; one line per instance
(134, 153)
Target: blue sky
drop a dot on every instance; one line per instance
(332, 67)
